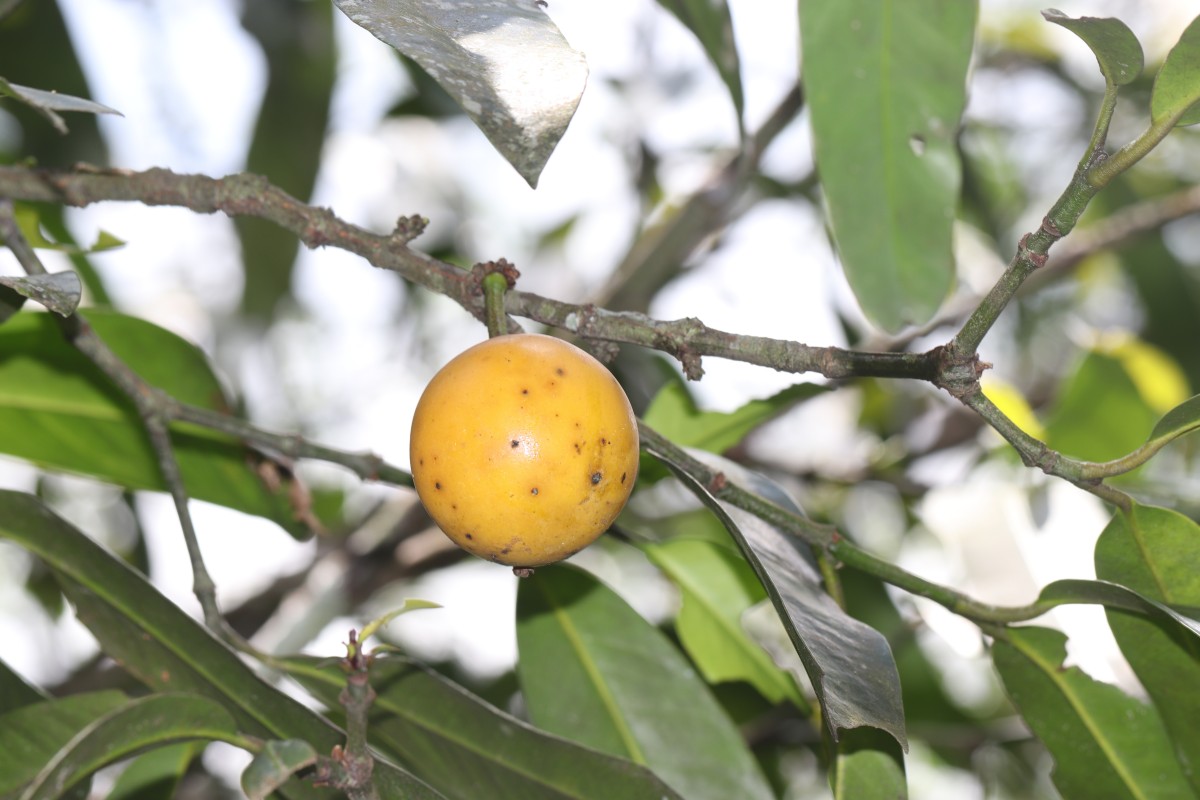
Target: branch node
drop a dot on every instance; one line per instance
(409, 228)
(958, 373)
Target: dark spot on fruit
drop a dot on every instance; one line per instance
(559, 371)
(506, 551)
(421, 462)
(513, 443)
(437, 485)
(622, 477)
(454, 507)
(603, 441)
(533, 490)
(469, 536)
(578, 447)
(596, 478)
(524, 391)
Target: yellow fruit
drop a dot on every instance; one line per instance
(524, 449)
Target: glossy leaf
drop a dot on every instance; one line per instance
(469, 749)
(886, 86)
(1177, 85)
(274, 765)
(31, 735)
(1105, 744)
(849, 663)
(60, 292)
(137, 725)
(506, 64)
(156, 774)
(48, 103)
(161, 645)
(674, 414)
(58, 411)
(1182, 419)
(1117, 50)
(869, 765)
(1155, 551)
(709, 20)
(594, 671)
(718, 587)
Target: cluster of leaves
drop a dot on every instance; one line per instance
(612, 706)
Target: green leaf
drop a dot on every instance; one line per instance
(31, 735)
(59, 292)
(1117, 50)
(47, 103)
(1177, 85)
(1100, 414)
(156, 774)
(137, 725)
(674, 414)
(709, 20)
(1182, 419)
(60, 412)
(469, 749)
(718, 587)
(1155, 551)
(162, 646)
(593, 670)
(506, 64)
(1116, 596)
(15, 691)
(869, 765)
(278, 762)
(850, 664)
(1105, 744)
(886, 86)
(32, 216)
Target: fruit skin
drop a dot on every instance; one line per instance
(524, 449)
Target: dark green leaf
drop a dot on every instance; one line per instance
(886, 86)
(31, 735)
(1116, 48)
(156, 774)
(1182, 419)
(1155, 551)
(1177, 85)
(58, 411)
(47, 103)
(469, 749)
(1105, 744)
(506, 64)
(594, 671)
(275, 765)
(1116, 596)
(850, 664)
(60, 292)
(869, 766)
(161, 645)
(718, 587)
(138, 725)
(709, 20)
(674, 414)
(15, 691)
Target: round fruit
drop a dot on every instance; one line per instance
(524, 449)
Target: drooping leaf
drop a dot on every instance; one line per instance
(59, 411)
(850, 664)
(1117, 49)
(1105, 743)
(47, 103)
(59, 292)
(32, 734)
(718, 586)
(1177, 85)
(1154, 551)
(592, 670)
(1115, 596)
(278, 761)
(162, 646)
(886, 86)
(506, 64)
(709, 20)
(156, 774)
(137, 725)
(469, 749)
(869, 765)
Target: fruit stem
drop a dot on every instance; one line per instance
(495, 286)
